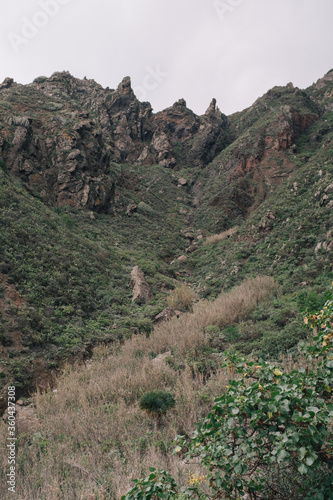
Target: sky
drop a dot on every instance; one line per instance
(232, 50)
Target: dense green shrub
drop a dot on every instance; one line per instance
(158, 484)
(40, 79)
(182, 298)
(157, 403)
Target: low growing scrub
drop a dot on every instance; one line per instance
(94, 419)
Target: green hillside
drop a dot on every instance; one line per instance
(238, 249)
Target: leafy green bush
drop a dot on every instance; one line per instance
(145, 209)
(159, 484)
(309, 300)
(3, 165)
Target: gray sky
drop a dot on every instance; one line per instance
(233, 50)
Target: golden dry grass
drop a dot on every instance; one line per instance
(182, 298)
(93, 438)
(215, 238)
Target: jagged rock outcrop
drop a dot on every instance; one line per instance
(62, 135)
(259, 159)
(182, 135)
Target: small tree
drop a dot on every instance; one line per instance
(156, 404)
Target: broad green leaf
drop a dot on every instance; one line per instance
(314, 409)
(303, 469)
(282, 454)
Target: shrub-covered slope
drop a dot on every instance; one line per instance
(65, 273)
(75, 218)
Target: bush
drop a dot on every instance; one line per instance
(216, 238)
(157, 403)
(158, 484)
(182, 298)
(309, 301)
(145, 209)
(40, 79)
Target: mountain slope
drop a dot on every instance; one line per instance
(93, 183)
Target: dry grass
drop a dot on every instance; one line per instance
(215, 238)
(182, 298)
(93, 436)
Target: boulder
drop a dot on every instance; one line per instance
(182, 259)
(161, 358)
(131, 208)
(182, 181)
(167, 314)
(140, 287)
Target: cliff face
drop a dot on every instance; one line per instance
(265, 140)
(61, 135)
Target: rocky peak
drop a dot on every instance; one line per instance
(181, 103)
(211, 108)
(66, 131)
(325, 80)
(124, 86)
(8, 82)
(62, 134)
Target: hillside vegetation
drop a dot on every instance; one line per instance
(230, 220)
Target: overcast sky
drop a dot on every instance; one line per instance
(233, 50)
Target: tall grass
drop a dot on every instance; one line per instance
(93, 437)
(182, 298)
